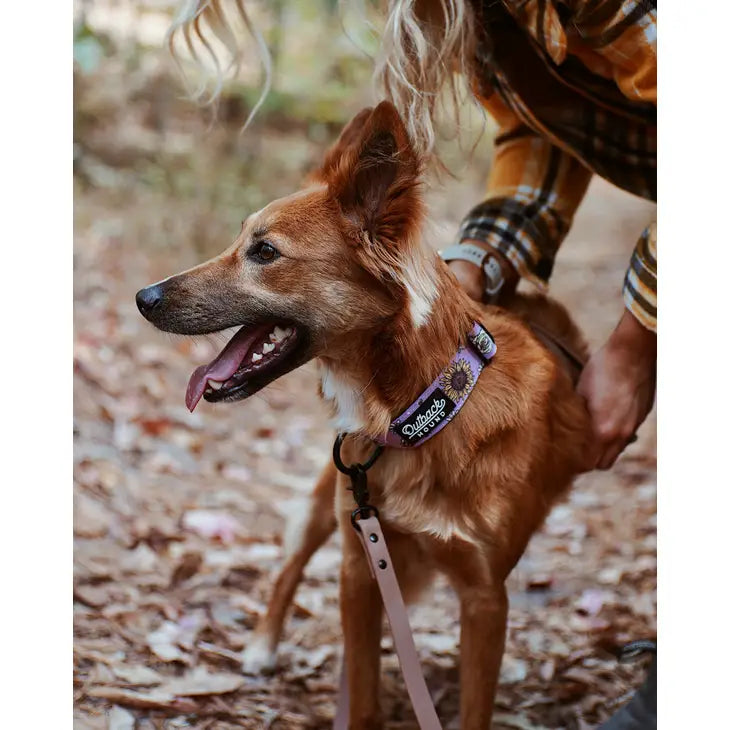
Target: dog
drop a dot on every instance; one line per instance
(340, 272)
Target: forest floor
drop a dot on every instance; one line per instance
(179, 518)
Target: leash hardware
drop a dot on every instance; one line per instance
(350, 470)
(635, 650)
(362, 513)
(358, 481)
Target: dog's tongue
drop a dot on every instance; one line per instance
(222, 367)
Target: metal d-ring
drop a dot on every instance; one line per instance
(362, 513)
(359, 481)
(354, 468)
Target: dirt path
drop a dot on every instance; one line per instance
(162, 607)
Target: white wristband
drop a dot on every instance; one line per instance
(483, 259)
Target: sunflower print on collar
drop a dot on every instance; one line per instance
(457, 380)
(442, 400)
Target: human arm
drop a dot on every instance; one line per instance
(619, 381)
(533, 191)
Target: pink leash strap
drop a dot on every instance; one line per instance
(381, 566)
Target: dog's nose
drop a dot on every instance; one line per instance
(148, 298)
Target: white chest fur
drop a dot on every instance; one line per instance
(345, 398)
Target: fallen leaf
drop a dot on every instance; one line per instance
(514, 721)
(91, 517)
(610, 576)
(589, 624)
(578, 674)
(154, 426)
(189, 626)
(316, 658)
(539, 582)
(591, 602)
(96, 656)
(94, 596)
(250, 605)
(137, 674)
(233, 656)
(186, 568)
(140, 560)
(152, 700)
(236, 473)
(300, 611)
(547, 670)
(512, 670)
(241, 578)
(163, 643)
(200, 682)
(211, 525)
(438, 643)
(120, 719)
(101, 674)
(227, 616)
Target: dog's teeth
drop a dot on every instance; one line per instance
(256, 357)
(288, 331)
(279, 334)
(215, 384)
(268, 347)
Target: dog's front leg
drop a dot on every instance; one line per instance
(362, 621)
(483, 629)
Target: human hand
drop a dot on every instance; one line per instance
(470, 276)
(619, 384)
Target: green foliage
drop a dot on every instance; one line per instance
(88, 48)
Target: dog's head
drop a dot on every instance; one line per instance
(308, 269)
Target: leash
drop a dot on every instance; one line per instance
(574, 363)
(364, 519)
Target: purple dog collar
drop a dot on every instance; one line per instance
(443, 399)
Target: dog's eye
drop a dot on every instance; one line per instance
(263, 252)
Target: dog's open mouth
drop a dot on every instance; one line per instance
(253, 357)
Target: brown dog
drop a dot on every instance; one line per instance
(339, 272)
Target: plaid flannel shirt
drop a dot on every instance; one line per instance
(572, 86)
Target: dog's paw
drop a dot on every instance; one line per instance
(258, 657)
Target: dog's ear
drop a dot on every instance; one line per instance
(375, 180)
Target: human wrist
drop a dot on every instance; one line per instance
(631, 335)
(510, 275)
(508, 270)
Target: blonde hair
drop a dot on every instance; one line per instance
(193, 19)
(423, 48)
(424, 45)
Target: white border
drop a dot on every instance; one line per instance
(694, 368)
(35, 479)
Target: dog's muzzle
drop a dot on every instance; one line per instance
(148, 299)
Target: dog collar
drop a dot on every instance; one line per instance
(443, 399)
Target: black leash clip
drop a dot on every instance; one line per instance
(358, 481)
